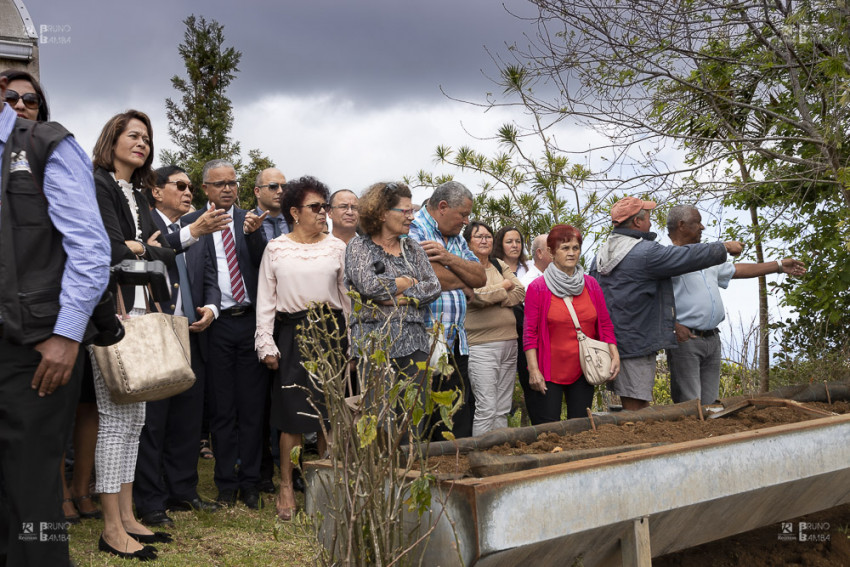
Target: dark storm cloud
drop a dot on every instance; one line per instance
(375, 52)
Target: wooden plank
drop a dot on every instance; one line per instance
(635, 546)
(731, 409)
(490, 464)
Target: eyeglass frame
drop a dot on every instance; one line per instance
(185, 185)
(316, 208)
(223, 184)
(269, 185)
(26, 97)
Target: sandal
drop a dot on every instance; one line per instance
(206, 452)
(285, 513)
(73, 518)
(95, 515)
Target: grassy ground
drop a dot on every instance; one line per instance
(230, 536)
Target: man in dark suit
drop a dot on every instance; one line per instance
(237, 382)
(167, 468)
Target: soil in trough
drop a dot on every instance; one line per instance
(630, 433)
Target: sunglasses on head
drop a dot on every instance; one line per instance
(31, 100)
(181, 185)
(316, 207)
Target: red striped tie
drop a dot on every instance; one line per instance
(237, 288)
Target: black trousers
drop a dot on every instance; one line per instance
(237, 389)
(167, 467)
(462, 420)
(579, 397)
(33, 432)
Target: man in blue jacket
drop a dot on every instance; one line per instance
(634, 272)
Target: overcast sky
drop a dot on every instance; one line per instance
(347, 91)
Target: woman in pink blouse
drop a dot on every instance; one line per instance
(303, 267)
(550, 340)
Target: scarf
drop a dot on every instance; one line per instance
(561, 284)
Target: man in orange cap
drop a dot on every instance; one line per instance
(634, 272)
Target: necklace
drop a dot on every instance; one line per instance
(297, 237)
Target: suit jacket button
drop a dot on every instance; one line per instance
(176, 285)
(173, 307)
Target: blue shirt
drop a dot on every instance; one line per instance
(697, 295)
(269, 224)
(72, 207)
(450, 307)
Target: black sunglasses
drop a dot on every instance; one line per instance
(31, 100)
(273, 186)
(182, 185)
(316, 207)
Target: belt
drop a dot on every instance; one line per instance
(237, 311)
(705, 334)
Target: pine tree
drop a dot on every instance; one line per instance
(200, 122)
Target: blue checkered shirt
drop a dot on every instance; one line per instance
(450, 307)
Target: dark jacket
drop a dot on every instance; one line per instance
(639, 293)
(32, 260)
(118, 222)
(249, 262)
(203, 279)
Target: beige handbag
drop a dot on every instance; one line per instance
(152, 362)
(595, 356)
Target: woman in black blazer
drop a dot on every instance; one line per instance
(122, 166)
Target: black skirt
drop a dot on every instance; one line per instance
(289, 404)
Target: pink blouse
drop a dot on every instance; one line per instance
(293, 275)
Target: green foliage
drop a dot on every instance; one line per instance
(199, 123)
(379, 470)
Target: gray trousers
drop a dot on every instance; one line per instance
(492, 371)
(695, 370)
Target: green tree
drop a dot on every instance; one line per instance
(199, 123)
(754, 93)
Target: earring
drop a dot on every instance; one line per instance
(296, 221)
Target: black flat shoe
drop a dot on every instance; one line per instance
(156, 537)
(147, 553)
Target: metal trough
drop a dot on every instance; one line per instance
(627, 508)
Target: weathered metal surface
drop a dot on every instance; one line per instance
(692, 493)
(604, 494)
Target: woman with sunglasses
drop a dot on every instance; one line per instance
(298, 269)
(492, 334)
(394, 278)
(122, 168)
(25, 96)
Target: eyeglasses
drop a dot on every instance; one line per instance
(483, 237)
(272, 186)
(220, 184)
(317, 207)
(31, 100)
(405, 212)
(182, 185)
(352, 208)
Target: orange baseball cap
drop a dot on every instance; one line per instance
(629, 207)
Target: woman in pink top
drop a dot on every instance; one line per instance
(550, 341)
(298, 269)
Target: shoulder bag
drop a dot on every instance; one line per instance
(594, 355)
(152, 362)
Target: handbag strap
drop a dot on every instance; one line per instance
(149, 302)
(569, 305)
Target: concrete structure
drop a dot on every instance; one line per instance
(18, 38)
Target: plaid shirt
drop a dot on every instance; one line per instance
(450, 307)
